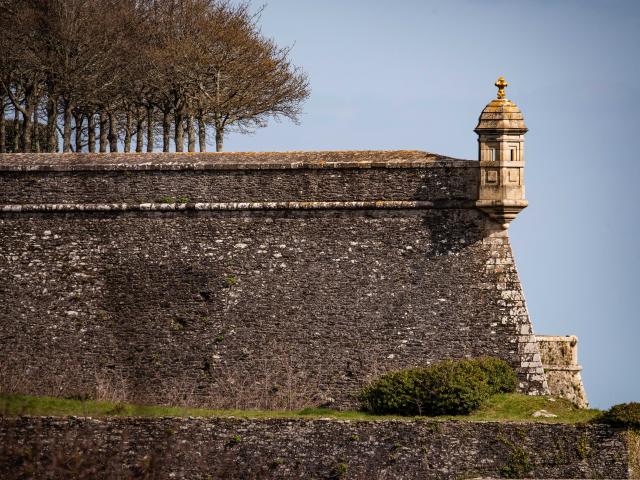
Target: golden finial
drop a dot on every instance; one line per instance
(501, 83)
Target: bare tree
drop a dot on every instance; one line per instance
(243, 78)
(125, 66)
(23, 73)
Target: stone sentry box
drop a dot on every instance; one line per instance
(501, 132)
(271, 280)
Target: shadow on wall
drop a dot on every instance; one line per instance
(453, 231)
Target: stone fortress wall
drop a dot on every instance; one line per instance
(236, 280)
(276, 281)
(270, 280)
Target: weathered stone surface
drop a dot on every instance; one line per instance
(279, 448)
(560, 362)
(234, 305)
(222, 160)
(257, 185)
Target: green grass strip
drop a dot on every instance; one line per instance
(503, 407)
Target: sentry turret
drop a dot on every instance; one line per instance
(501, 132)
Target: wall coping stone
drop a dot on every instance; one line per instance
(72, 162)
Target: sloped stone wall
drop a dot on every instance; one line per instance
(322, 449)
(272, 284)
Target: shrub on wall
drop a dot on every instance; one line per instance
(500, 376)
(623, 415)
(447, 388)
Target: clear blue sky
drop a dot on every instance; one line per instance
(415, 74)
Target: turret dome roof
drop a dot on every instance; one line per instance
(501, 114)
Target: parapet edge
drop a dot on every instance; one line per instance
(64, 162)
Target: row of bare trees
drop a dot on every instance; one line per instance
(99, 75)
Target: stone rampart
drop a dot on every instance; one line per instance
(234, 448)
(250, 178)
(249, 280)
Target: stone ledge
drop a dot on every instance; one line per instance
(572, 339)
(562, 368)
(230, 206)
(65, 162)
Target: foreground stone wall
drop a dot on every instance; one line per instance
(271, 280)
(279, 448)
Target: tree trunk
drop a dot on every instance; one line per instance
(91, 132)
(52, 123)
(78, 123)
(127, 131)
(103, 132)
(150, 129)
(35, 134)
(139, 134)
(179, 131)
(3, 129)
(26, 124)
(16, 130)
(166, 127)
(66, 132)
(202, 133)
(113, 134)
(219, 138)
(191, 133)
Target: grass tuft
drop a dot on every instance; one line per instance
(518, 407)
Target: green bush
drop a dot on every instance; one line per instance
(447, 388)
(623, 415)
(394, 392)
(500, 376)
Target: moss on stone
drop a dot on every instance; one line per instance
(518, 463)
(340, 471)
(583, 448)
